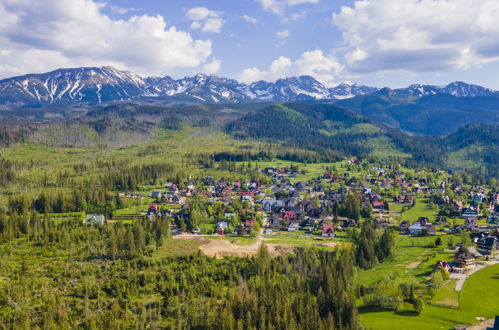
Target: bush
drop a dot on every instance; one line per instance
(418, 305)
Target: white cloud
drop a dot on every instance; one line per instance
(419, 35)
(282, 34)
(313, 63)
(212, 67)
(43, 35)
(249, 19)
(213, 25)
(278, 6)
(205, 19)
(298, 16)
(121, 11)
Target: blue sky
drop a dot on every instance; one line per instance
(375, 42)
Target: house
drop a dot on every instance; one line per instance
(416, 229)
(465, 261)
(156, 194)
(327, 229)
(442, 265)
(431, 230)
(404, 225)
(97, 219)
(152, 208)
(350, 223)
(300, 186)
(486, 245)
(378, 205)
(288, 215)
(248, 224)
(469, 213)
(221, 227)
(293, 226)
(269, 204)
(247, 198)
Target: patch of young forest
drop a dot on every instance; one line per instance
(68, 275)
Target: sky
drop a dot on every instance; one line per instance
(379, 43)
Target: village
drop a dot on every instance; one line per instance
(287, 201)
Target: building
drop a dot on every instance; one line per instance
(486, 245)
(327, 230)
(465, 261)
(97, 219)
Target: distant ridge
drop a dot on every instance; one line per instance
(106, 84)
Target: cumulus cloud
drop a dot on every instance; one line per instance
(278, 6)
(313, 63)
(212, 67)
(43, 35)
(282, 34)
(205, 19)
(419, 35)
(249, 19)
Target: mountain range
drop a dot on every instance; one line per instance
(93, 85)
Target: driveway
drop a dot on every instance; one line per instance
(463, 277)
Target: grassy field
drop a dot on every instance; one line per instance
(421, 209)
(413, 257)
(477, 299)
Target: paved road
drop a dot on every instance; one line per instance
(463, 277)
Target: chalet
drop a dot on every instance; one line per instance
(442, 265)
(306, 206)
(269, 204)
(487, 245)
(465, 261)
(327, 230)
(221, 227)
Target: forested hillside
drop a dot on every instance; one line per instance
(439, 114)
